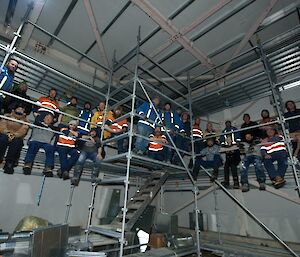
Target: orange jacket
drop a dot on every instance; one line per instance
(155, 144)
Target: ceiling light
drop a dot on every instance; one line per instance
(289, 86)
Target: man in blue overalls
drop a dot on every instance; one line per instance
(6, 78)
(173, 125)
(146, 124)
(86, 114)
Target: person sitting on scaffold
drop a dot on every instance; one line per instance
(90, 148)
(7, 75)
(156, 149)
(12, 134)
(66, 146)
(45, 139)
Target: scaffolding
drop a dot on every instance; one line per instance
(139, 87)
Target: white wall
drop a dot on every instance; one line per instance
(254, 108)
(19, 195)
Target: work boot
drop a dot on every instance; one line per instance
(190, 166)
(59, 173)
(65, 175)
(296, 162)
(27, 168)
(9, 167)
(279, 182)
(95, 174)
(48, 172)
(245, 187)
(214, 175)
(236, 185)
(262, 186)
(195, 173)
(225, 184)
(77, 174)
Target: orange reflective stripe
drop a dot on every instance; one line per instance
(47, 102)
(66, 141)
(119, 124)
(155, 146)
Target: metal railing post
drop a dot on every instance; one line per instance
(130, 141)
(195, 191)
(69, 203)
(217, 214)
(10, 49)
(91, 209)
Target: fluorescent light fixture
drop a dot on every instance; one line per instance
(289, 86)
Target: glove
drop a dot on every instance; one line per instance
(10, 136)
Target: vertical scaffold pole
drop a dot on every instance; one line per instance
(41, 191)
(107, 98)
(195, 191)
(91, 209)
(217, 214)
(11, 47)
(129, 154)
(276, 97)
(69, 203)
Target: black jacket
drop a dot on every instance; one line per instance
(10, 102)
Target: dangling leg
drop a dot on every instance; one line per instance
(97, 164)
(78, 168)
(13, 154)
(236, 184)
(33, 149)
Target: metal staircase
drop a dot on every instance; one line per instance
(135, 207)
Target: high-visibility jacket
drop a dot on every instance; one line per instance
(98, 118)
(155, 145)
(274, 144)
(45, 101)
(235, 135)
(148, 112)
(172, 121)
(6, 80)
(123, 124)
(66, 139)
(84, 126)
(197, 132)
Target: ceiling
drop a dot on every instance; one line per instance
(182, 36)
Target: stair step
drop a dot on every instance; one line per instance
(117, 223)
(147, 190)
(152, 184)
(138, 203)
(107, 230)
(134, 206)
(139, 198)
(130, 215)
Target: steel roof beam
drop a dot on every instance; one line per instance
(94, 25)
(189, 28)
(107, 27)
(63, 20)
(223, 18)
(281, 14)
(131, 53)
(10, 12)
(34, 16)
(167, 26)
(251, 31)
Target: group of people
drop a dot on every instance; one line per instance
(261, 144)
(74, 134)
(77, 134)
